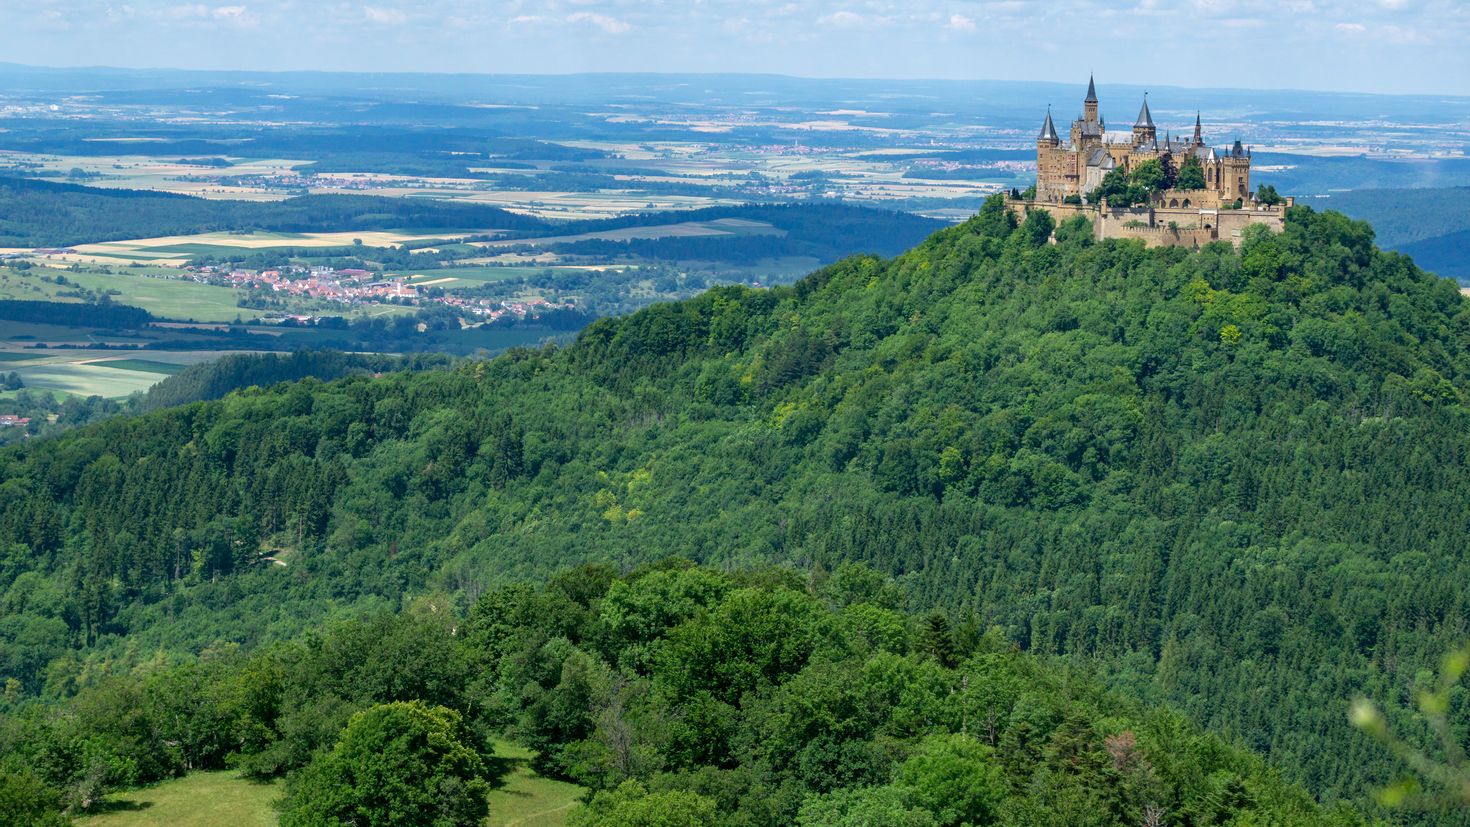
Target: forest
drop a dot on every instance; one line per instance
(46, 214)
(677, 695)
(1231, 483)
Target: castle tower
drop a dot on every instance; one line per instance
(1143, 128)
(1235, 173)
(1048, 136)
(1198, 133)
(1089, 103)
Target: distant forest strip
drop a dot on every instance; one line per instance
(46, 214)
(112, 316)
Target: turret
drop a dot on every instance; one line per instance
(1048, 136)
(1143, 128)
(1089, 103)
(1198, 132)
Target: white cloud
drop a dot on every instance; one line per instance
(607, 23)
(961, 23)
(384, 17)
(1351, 28)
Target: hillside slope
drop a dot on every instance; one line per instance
(1233, 482)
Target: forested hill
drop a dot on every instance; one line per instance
(1232, 482)
(47, 214)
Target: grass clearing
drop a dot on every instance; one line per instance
(525, 799)
(201, 799)
(209, 799)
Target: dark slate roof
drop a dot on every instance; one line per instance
(1145, 118)
(1237, 150)
(1048, 131)
(1091, 92)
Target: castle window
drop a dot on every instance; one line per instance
(1186, 202)
(1174, 202)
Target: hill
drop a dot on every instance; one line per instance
(47, 214)
(679, 695)
(1432, 225)
(1232, 482)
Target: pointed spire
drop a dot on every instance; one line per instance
(1048, 131)
(1237, 150)
(1145, 118)
(1198, 134)
(1091, 91)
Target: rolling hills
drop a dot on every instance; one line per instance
(1230, 482)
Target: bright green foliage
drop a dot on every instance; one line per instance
(1056, 440)
(760, 708)
(863, 807)
(1267, 195)
(396, 765)
(632, 805)
(27, 801)
(1191, 175)
(955, 777)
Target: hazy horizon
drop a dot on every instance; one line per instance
(1379, 47)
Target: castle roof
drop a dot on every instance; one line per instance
(1100, 158)
(1145, 118)
(1237, 150)
(1048, 131)
(1091, 92)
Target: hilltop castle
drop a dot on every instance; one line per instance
(1219, 203)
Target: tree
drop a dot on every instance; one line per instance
(863, 807)
(1267, 195)
(395, 765)
(954, 777)
(1150, 176)
(26, 801)
(632, 805)
(1038, 227)
(1191, 175)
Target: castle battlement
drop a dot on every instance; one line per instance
(1218, 205)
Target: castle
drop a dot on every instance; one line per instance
(1217, 204)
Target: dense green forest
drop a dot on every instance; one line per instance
(1432, 225)
(678, 695)
(45, 214)
(1230, 482)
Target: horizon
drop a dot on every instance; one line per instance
(1389, 47)
(1122, 85)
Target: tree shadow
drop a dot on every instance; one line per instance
(123, 805)
(499, 767)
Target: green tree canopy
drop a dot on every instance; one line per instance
(401, 764)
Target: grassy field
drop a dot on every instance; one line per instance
(211, 799)
(171, 298)
(97, 372)
(525, 799)
(203, 799)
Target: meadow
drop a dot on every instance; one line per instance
(97, 372)
(210, 799)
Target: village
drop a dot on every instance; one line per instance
(358, 287)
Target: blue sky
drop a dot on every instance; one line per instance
(1363, 45)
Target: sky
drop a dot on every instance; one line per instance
(1394, 46)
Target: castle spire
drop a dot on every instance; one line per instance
(1091, 91)
(1145, 118)
(1048, 131)
(1198, 136)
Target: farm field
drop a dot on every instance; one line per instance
(99, 372)
(201, 799)
(166, 296)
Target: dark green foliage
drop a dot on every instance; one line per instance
(396, 765)
(44, 214)
(233, 371)
(679, 695)
(1205, 474)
